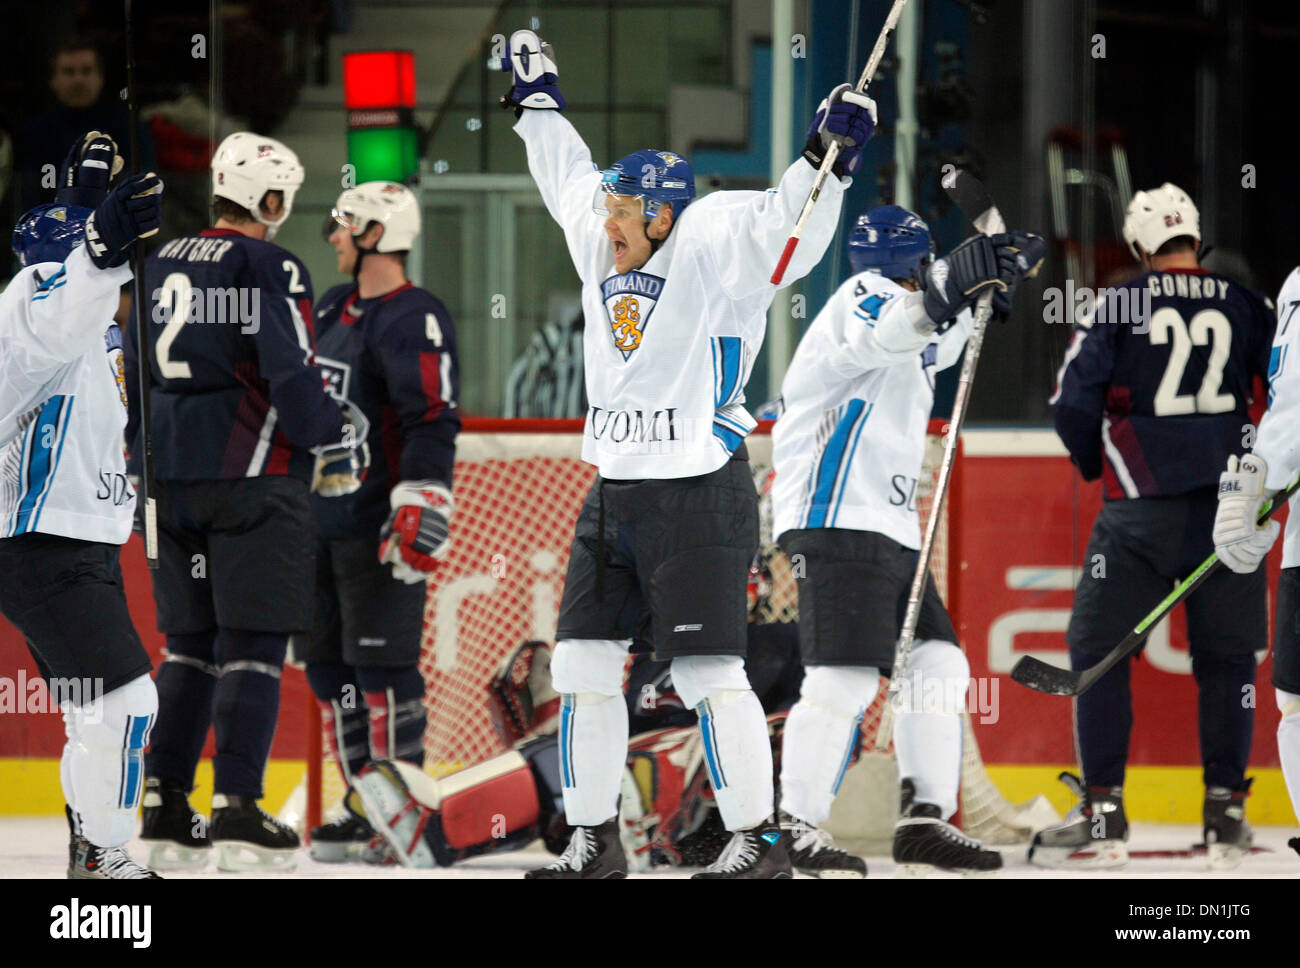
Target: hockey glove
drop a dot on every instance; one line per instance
(341, 467)
(91, 166)
(416, 535)
(844, 116)
(133, 210)
(536, 78)
(1019, 257)
(1238, 541)
(954, 282)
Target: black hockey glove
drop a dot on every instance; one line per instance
(133, 210)
(1019, 258)
(90, 167)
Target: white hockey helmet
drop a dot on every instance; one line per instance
(390, 204)
(1155, 217)
(247, 166)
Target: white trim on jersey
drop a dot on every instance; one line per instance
(258, 459)
(1117, 461)
(300, 328)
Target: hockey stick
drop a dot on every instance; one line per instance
(147, 487)
(1055, 681)
(970, 196)
(833, 149)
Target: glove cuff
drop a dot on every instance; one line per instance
(434, 495)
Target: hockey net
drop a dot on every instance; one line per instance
(518, 487)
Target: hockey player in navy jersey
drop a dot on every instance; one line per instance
(1153, 398)
(238, 407)
(387, 348)
(1241, 544)
(65, 502)
(847, 452)
(675, 292)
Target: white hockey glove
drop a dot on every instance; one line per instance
(1238, 541)
(416, 535)
(340, 468)
(531, 62)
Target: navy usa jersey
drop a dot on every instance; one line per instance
(394, 357)
(1155, 388)
(236, 392)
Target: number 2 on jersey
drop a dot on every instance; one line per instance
(1210, 328)
(177, 288)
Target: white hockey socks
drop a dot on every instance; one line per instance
(588, 675)
(103, 760)
(820, 736)
(928, 726)
(1288, 744)
(737, 747)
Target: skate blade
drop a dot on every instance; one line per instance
(1224, 857)
(332, 853)
(385, 797)
(165, 855)
(237, 856)
(1099, 856)
(912, 871)
(832, 875)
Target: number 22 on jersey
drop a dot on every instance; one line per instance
(1209, 327)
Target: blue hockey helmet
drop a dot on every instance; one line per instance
(653, 176)
(49, 233)
(891, 241)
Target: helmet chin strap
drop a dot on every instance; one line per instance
(361, 254)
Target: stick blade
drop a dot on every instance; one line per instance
(1050, 679)
(972, 198)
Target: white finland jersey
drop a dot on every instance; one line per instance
(63, 403)
(668, 347)
(849, 444)
(1278, 440)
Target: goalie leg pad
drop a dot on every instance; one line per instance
(737, 749)
(928, 727)
(485, 805)
(105, 759)
(821, 736)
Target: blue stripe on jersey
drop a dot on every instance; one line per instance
(45, 293)
(47, 284)
(832, 460)
(730, 439)
(1276, 361)
(134, 742)
(707, 731)
(854, 739)
(566, 740)
(848, 464)
(726, 368)
(41, 461)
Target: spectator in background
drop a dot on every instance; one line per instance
(77, 81)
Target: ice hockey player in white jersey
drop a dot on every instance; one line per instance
(1241, 545)
(675, 292)
(847, 452)
(65, 502)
